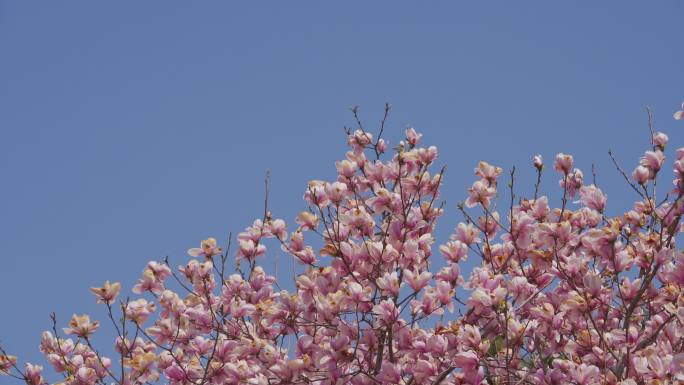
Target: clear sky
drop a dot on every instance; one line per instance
(132, 130)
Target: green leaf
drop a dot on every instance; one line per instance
(495, 346)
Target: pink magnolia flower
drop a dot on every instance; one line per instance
(444, 292)
(107, 293)
(585, 374)
(6, 363)
(472, 336)
(623, 260)
(641, 174)
(417, 281)
(653, 160)
(592, 197)
(161, 270)
(466, 233)
(538, 162)
(522, 228)
(678, 365)
(306, 256)
(467, 360)
(86, 376)
(346, 168)
(428, 304)
(249, 250)
(389, 283)
(34, 374)
(479, 301)
(660, 140)
(679, 115)
(139, 310)
(437, 344)
(572, 182)
(360, 139)
(386, 311)
(489, 223)
(357, 218)
(480, 193)
(207, 249)
(450, 274)
(384, 200)
(149, 282)
(336, 192)
(563, 163)
(296, 242)
(488, 172)
(277, 228)
(174, 373)
(424, 369)
(382, 145)
(81, 326)
(316, 193)
(427, 155)
(593, 283)
(50, 344)
(454, 251)
(239, 308)
(358, 293)
(412, 137)
(307, 220)
(628, 288)
(389, 373)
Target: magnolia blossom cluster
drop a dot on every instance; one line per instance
(559, 295)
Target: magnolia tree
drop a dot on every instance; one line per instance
(559, 295)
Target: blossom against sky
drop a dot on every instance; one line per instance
(130, 131)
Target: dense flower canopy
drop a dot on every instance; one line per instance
(560, 294)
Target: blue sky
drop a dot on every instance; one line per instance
(132, 130)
